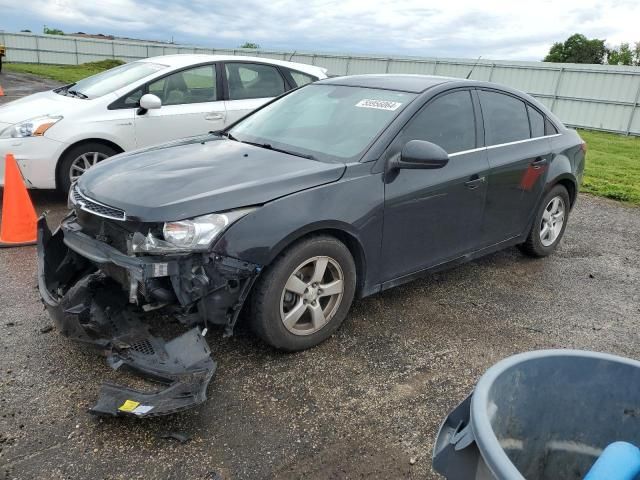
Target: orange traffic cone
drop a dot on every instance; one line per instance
(18, 215)
(1, 91)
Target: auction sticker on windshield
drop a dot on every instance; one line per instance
(379, 104)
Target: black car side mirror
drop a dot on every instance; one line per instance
(421, 154)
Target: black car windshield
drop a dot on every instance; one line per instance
(323, 121)
(113, 79)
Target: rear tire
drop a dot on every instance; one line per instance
(305, 294)
(549, 223)
(81, 157)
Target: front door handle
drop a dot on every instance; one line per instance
(214, 116)
(475, 182)
(538, 163)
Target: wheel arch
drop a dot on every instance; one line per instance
(568, 182)
(102, 141)
(336, 230)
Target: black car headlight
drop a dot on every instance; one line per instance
(186, 235)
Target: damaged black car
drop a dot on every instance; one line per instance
(339, 189)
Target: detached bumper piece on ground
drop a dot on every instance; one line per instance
(91, 307)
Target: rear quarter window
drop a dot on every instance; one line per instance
(300, 78)
(549, 128)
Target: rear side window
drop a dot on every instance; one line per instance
(253, 80)
(447, 121)
(301, 79)
(536, 120)
(505, 118)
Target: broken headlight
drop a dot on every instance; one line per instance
(185, 235)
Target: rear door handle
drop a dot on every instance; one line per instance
(214, 116)
(475, 182)
(538, 162)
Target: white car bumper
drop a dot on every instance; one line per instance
(36, 157)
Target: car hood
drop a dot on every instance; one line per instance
(200, 176)
(37, 105)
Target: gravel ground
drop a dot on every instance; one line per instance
(365, 404)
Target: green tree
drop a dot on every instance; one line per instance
(556, 53)
(621, 55)
(251, 45)
(578, 49)
(52, 31)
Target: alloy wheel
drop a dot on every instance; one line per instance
(83, 163)
(552, 221)
(312, 295)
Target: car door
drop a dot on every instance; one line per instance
(249, 86)
(432, 216)
(190, 106)
(518, 154)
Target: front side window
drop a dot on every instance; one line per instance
(447, 121)
(505, 118)
(328, 122)
(116, 78)
(195, 85)
(253, 80)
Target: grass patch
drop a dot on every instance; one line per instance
(612, 168)
(63, 73)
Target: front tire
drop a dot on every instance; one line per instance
(549, 224)
(305, 294)
(79, 159)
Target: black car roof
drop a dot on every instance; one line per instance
(405, 83)
(413, 83)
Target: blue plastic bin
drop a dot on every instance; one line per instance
(544, 415)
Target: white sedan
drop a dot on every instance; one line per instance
(57, 135)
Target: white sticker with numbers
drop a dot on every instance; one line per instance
(379, 104)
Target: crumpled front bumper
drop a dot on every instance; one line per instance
(95, 310)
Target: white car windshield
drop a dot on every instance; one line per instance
(323, 121)
(113, 79)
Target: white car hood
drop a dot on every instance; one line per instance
(36, 105)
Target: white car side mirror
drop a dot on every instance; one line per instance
(150, 101)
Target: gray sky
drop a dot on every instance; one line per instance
(452, 28)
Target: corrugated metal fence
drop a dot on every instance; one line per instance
(600, 97)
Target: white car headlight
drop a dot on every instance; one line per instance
(186, 235)
(34, 127)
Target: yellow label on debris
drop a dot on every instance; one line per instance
(128, 406)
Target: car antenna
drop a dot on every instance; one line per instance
(474, 66)
(291, 56)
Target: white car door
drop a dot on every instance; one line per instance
(249, 86)
(190, 106)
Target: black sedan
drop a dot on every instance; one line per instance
(342, 188)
